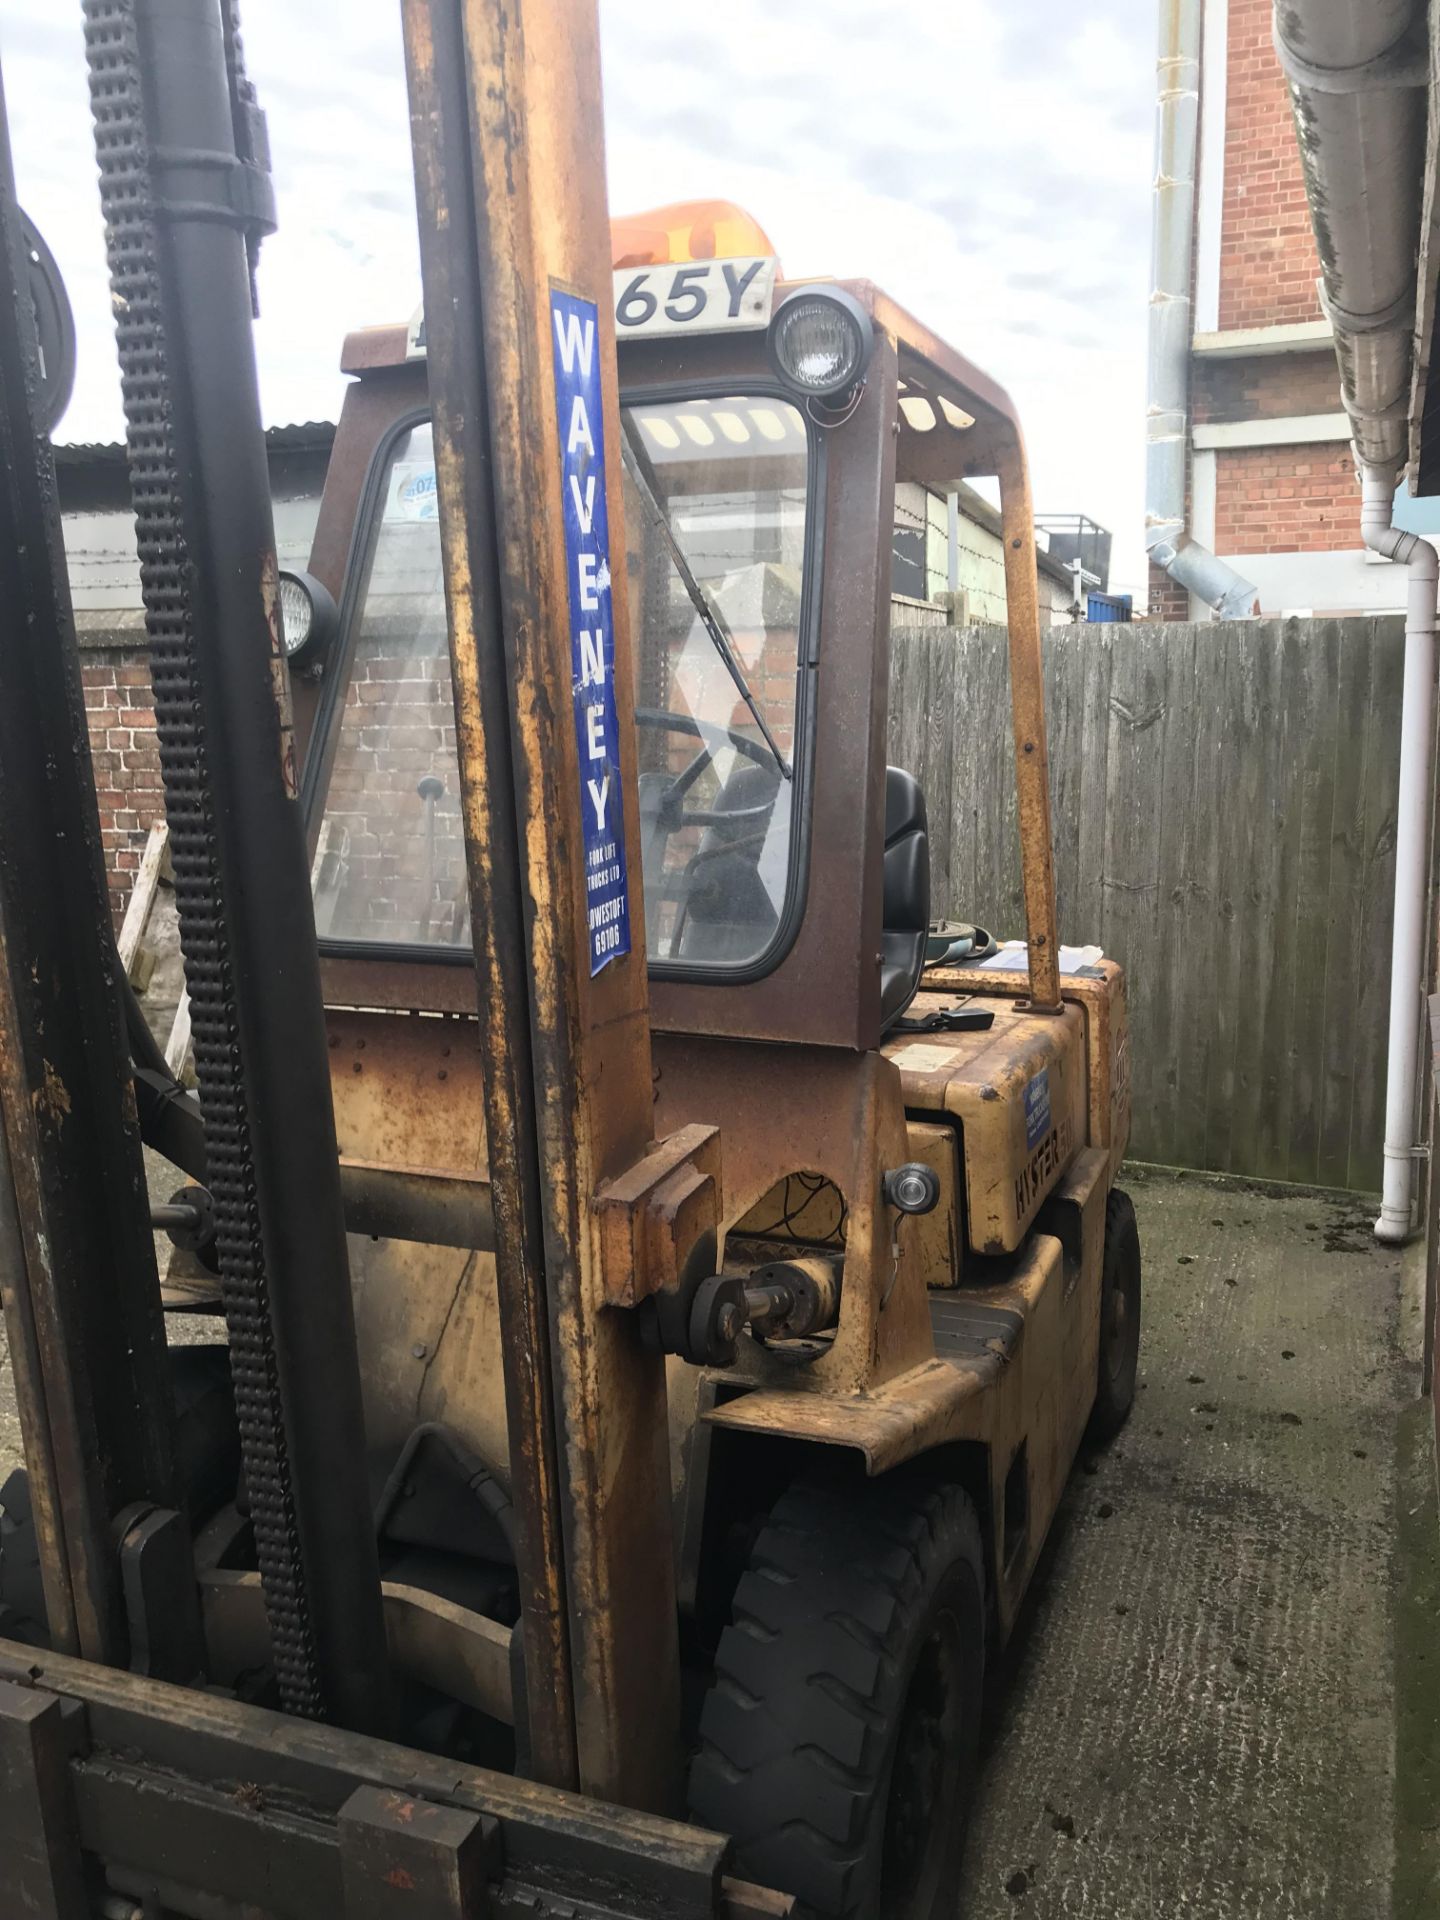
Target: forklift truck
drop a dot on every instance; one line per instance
(722, 1302)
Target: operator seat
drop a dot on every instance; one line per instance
(729, 916)
(905, 917)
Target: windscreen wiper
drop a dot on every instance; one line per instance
(637, 463)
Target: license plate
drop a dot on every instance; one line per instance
(707, 296)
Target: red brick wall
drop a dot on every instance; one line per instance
(1268, 265)
(383, 880)
(1270, 387)
(1168, 600)
(1286, 499)
(120, 709)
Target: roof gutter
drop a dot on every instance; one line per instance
(1358, 73)
(1167, 420)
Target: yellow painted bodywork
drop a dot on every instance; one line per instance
(1099, 993)
(1016, 1243)
(1016, 1147)
(938, 1244)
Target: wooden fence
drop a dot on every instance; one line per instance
(1223, 798)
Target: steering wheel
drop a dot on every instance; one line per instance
(672, 813)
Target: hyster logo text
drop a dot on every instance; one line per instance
(1046, 1161)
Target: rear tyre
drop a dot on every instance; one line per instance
(838, 1740)
(22, 1596)
(1119, 1359)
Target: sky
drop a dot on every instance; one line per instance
(987, 162)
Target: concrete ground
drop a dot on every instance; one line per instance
(1200, 1715)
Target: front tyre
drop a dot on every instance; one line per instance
(1119, 1359)
(838, 1740)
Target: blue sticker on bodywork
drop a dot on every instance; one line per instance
(592, 633)
(1037, 1108)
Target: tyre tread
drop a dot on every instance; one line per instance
(818, 1644)
(1109, 1414)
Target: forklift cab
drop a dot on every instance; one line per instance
(757, 512)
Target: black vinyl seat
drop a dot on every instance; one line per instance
(728, 915)
(906, 913)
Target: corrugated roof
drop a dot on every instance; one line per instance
(296, 435)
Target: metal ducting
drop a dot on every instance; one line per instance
(1358, 74)
(1167, 419)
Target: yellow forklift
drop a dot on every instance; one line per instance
(665, 1282)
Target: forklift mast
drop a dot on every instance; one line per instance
(185, 193)
(514, 235)
(509, 164)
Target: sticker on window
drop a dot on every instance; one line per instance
(592, 632)
(412, 493)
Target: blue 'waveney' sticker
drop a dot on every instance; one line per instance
(592, 632)
(1037, 1108)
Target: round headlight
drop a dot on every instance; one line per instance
(820, 342)
(54, 327)
(308, 617)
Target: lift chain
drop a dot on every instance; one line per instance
(133, 242)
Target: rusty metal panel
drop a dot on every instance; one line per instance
(1100, 993)
(409, 1091)
(1075, 1215)
(524, 214)
(814, 1111)
(496, 858)
(39, 1843)
(77, 1263)
(938, 1235)
(241, 1804)
(1027, 712)
(400, 1854)
(1019, 1092)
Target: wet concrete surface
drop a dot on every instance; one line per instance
(1198, 1717)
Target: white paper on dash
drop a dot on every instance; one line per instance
(1011, 958)
(924, 1057)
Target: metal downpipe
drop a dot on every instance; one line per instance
(1412, 834)
(1358, 75)
(1167, 415)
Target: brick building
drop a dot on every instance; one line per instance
(1272, 487)
(99, 530)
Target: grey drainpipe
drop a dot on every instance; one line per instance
(1167, 421)
(1358, 72)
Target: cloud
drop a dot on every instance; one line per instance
(987, 162)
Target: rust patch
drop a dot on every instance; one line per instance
(52, 1097)
(279, 672)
